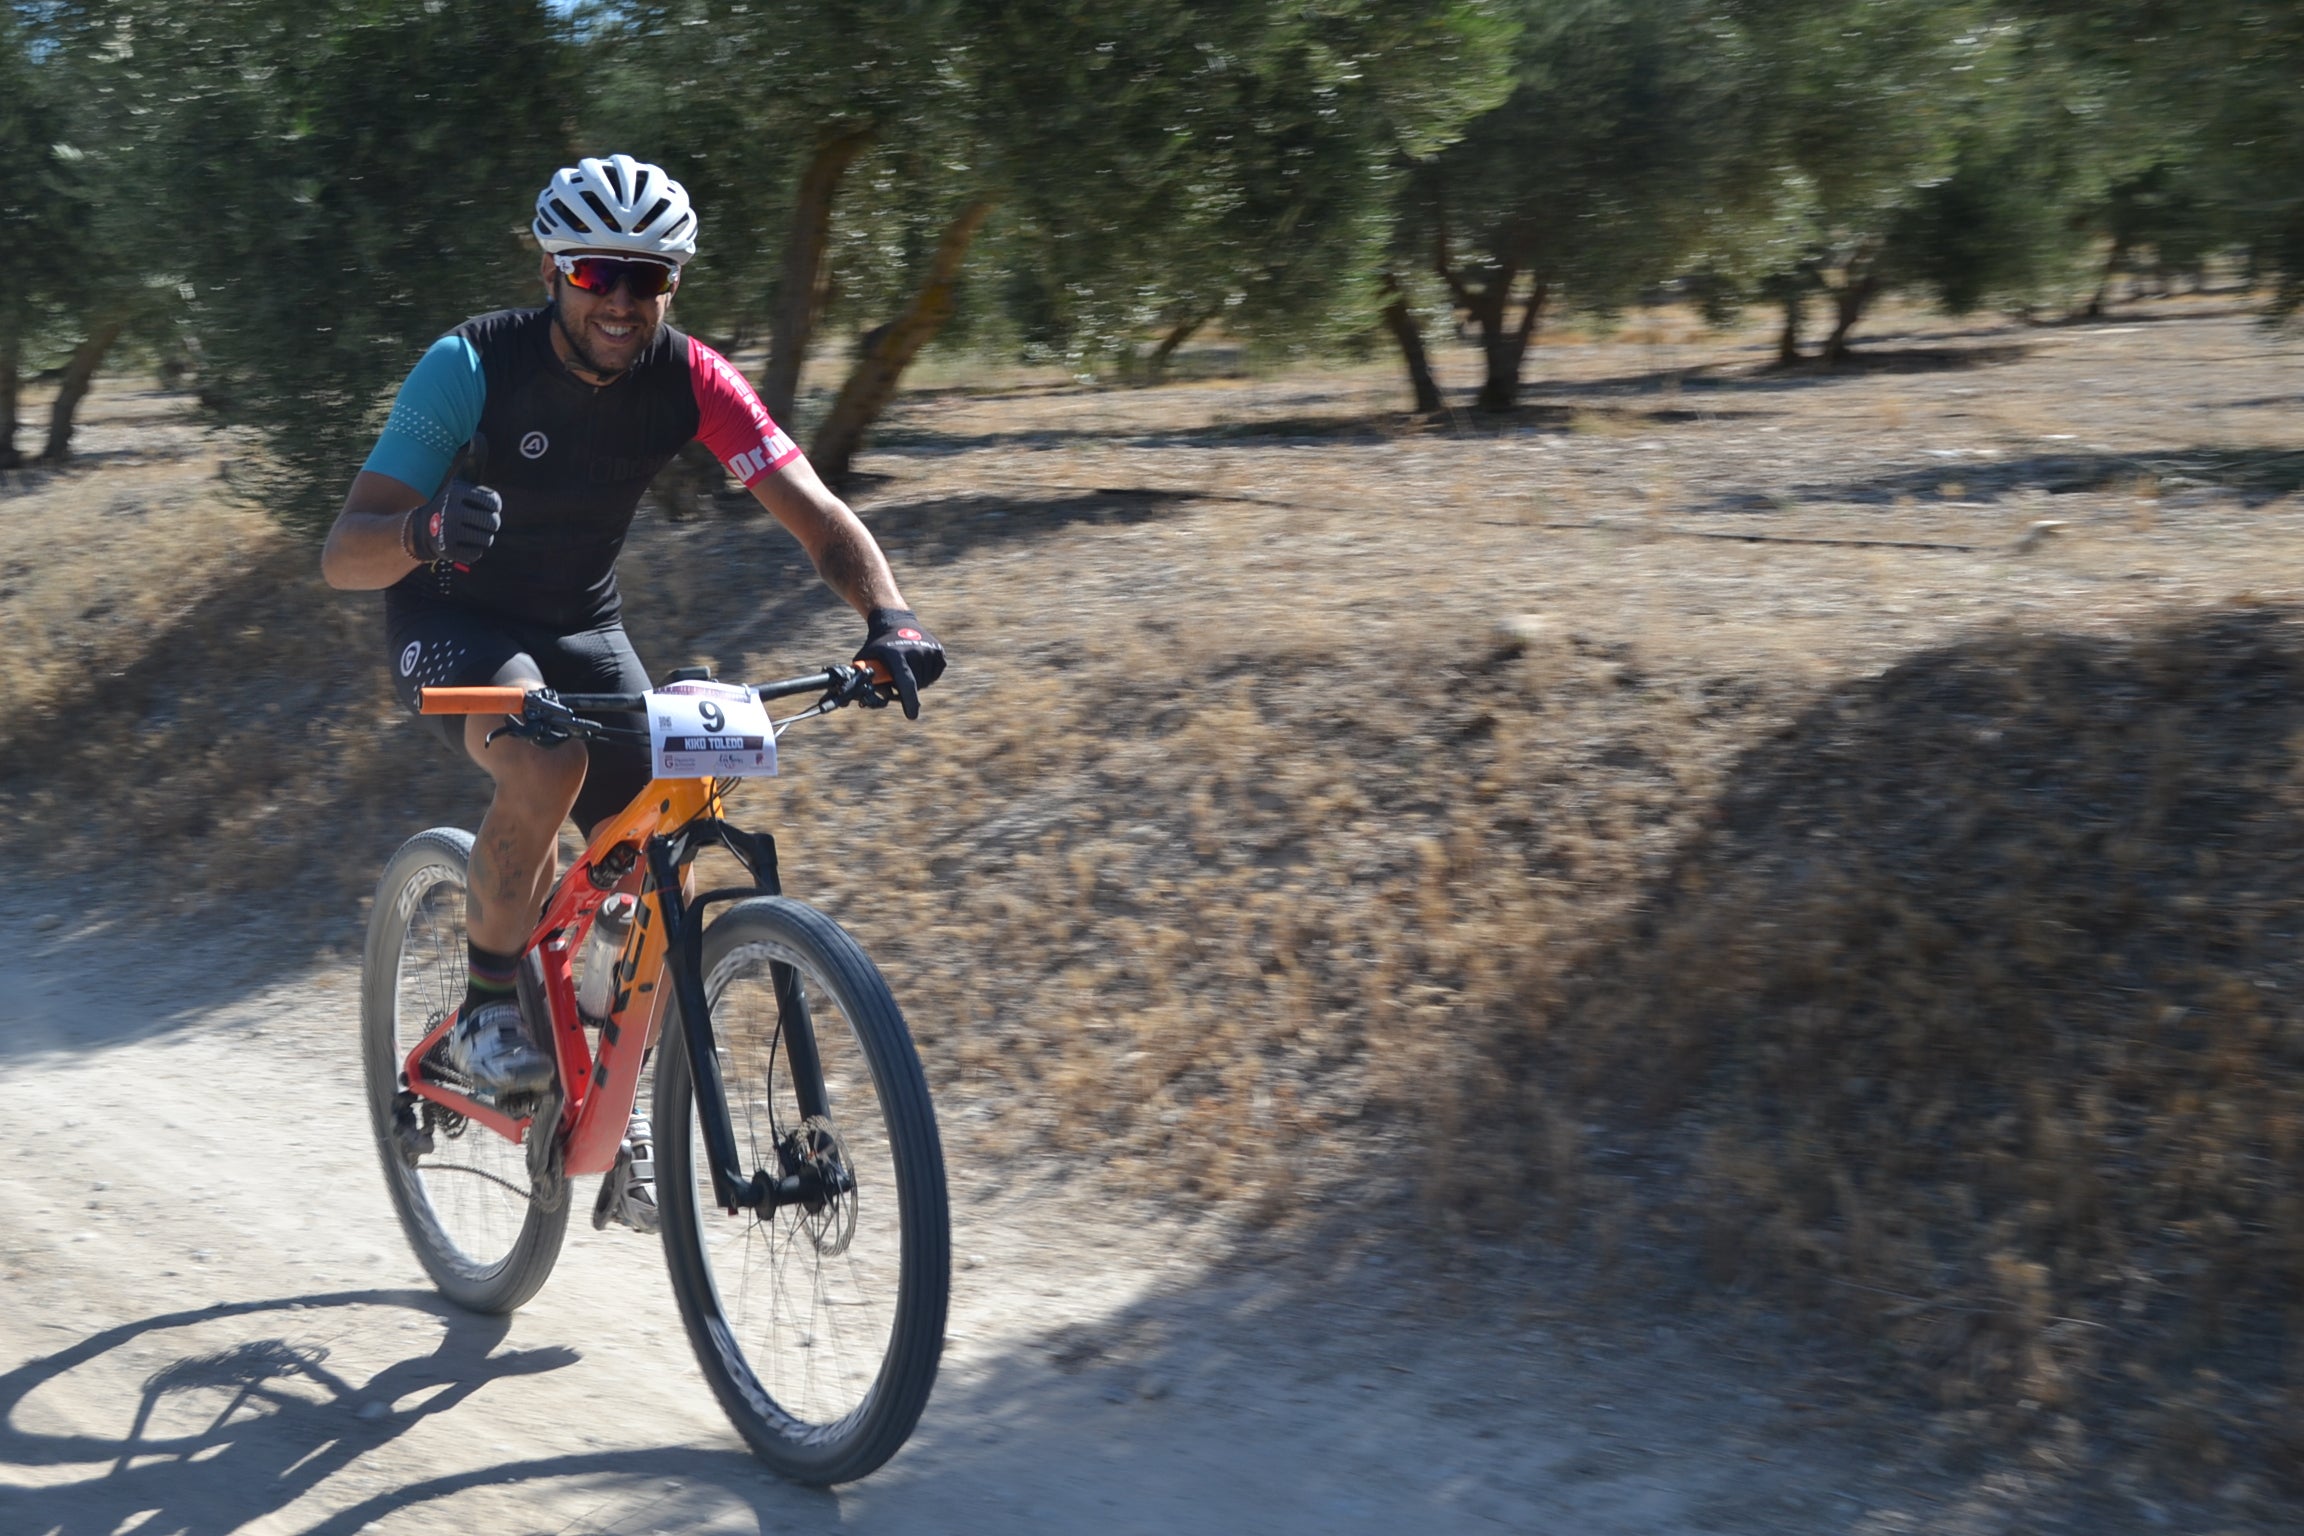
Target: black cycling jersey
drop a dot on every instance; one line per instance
(570, 459)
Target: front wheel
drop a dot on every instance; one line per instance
(465, 1195)
(820, 1324)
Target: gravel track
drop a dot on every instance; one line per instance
(215, 1327)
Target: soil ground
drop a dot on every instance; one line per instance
(1296, 757)
(214, 1326)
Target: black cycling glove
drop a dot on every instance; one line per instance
(912, 657)
(457, 525)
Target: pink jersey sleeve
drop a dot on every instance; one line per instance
(731, 421)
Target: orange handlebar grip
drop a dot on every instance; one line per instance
(873, 670)
(471, 701)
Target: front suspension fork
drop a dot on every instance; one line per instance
(733, 1189)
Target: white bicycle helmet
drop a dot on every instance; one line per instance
(616, 204)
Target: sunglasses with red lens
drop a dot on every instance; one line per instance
(605, 274)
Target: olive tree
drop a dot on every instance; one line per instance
(42, 208)
(343, 181)
(1603, 171)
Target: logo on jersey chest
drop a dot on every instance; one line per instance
(533, 445)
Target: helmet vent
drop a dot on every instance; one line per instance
(618, 205)
(601, 209)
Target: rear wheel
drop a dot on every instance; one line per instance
(819, 1325)
(478, 1222)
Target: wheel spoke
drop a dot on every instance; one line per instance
(467, 1205)
(810, 1299)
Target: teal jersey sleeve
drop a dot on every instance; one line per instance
(436, 412)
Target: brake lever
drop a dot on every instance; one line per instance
(855, 686)
(543, 720)
(544, 735)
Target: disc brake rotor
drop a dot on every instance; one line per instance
(832, 1225)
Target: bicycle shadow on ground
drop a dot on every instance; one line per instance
(1289, 1402)
(1077, 1427)
(216, 1439)
(1236, 1403)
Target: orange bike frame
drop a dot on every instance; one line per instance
(599, 1087)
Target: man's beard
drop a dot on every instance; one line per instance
(584, 357)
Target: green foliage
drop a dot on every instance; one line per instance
(1946, 148)
(1153, 165)
(1601, 173)
(43, 212)
(2210, 90)
(732, 97)
(43, 202)
(340, 183)
(1182, 163)
(1604, 168)
(2165, 220)
(2031, 171)
(329, 185)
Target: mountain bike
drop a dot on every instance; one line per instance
(799, 1174)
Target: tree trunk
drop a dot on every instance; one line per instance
(1401, 321)
(1500, 390)
(1176, 337)
(2103, 293)
(800, 288)
(11, 361)
(1788, 339)
(872, 382)
(1485, 306)
(1848, 301)
(79, 373)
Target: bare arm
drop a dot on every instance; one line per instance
(364, 551)
(836, 540)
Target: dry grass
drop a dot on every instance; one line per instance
(1815, 897)
(1970, 1015)
(94, 558)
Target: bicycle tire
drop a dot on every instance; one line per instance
(866, 1280)
(412, 972)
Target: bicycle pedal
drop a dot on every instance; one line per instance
(627, 1198)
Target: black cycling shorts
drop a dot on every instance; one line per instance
(443, 647)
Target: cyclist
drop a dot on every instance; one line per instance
(505, 572)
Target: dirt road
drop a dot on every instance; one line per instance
(209, 1323)
(212, 1326)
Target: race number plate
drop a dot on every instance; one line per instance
(709, 730)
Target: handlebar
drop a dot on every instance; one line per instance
(514, 700)
(471, 701)
(548, 717)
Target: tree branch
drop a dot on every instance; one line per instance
(800, 291)
(872, 382)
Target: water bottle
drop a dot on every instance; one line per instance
(603, 947)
